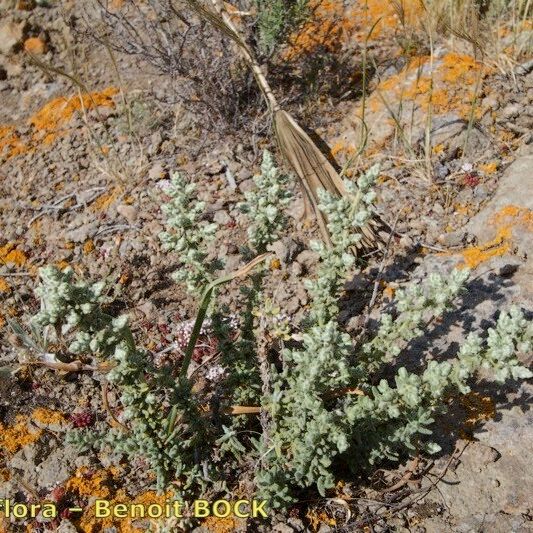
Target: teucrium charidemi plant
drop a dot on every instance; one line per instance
(76, 307)
(264, 205)
(145, 392)
(314, 425)
(187, 234)
(327, 400)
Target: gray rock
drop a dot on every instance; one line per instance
(247, 185)
(502, 454)
(296, 524)
(129, 212)
(222, 217)
(11, 34)
(156, 172)
(282, 528)
(512, 187)
(24, 462)
(155, 142)
(244, 174)
(454, 238)
(511, 111)
(57, 467)
(232, 263)
(285, 249)
(308, 259)
(481, 192)
(82, 233)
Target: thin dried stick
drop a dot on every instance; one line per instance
(105, 401)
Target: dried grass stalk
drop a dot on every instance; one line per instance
(312, 167)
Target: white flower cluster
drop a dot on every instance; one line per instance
(264, 205)
(77, 307)
(346, 216)
(187, 234)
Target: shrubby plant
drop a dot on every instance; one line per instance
(187, 234)
(276, 19)
(325, 400)
(264, 205)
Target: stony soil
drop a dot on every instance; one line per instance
(80, 185)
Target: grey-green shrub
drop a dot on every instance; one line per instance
(322, 402)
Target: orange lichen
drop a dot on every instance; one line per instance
(340, 147)
(62, 264)
(475, 255)
(103, 202)
(388, 292)
(445, 85)
(489, 168)
(316, 519)
(220, 525)
(48, 417)
(478, 409)
(4, 285)
(331, 24)
(10, 143)
(505, 220)
(326, 29)
(51, 118)
(87, 484)
(13, 438)
(512, 213)
(35, 45)
(275, 264)
(88, 247)
(386, 16)
(10, 254)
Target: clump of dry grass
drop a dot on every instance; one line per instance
(500, 31)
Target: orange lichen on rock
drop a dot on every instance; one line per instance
(10, 143)
(446, 85)
(220, 525)
(331, 25)
(35, 45)
(88, 247)
(316, 519)
(103, 202)
(478, 409)
(514, 214)
(10, 254)
(500, 245)
(326, 29)
(4, 285)
(505, 220)
(48, 417)
(489, 168)
(18, 435)
(89, 484)
(341, 147)
(49, 120)
(385, 16)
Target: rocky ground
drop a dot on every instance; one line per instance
(83, 171)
